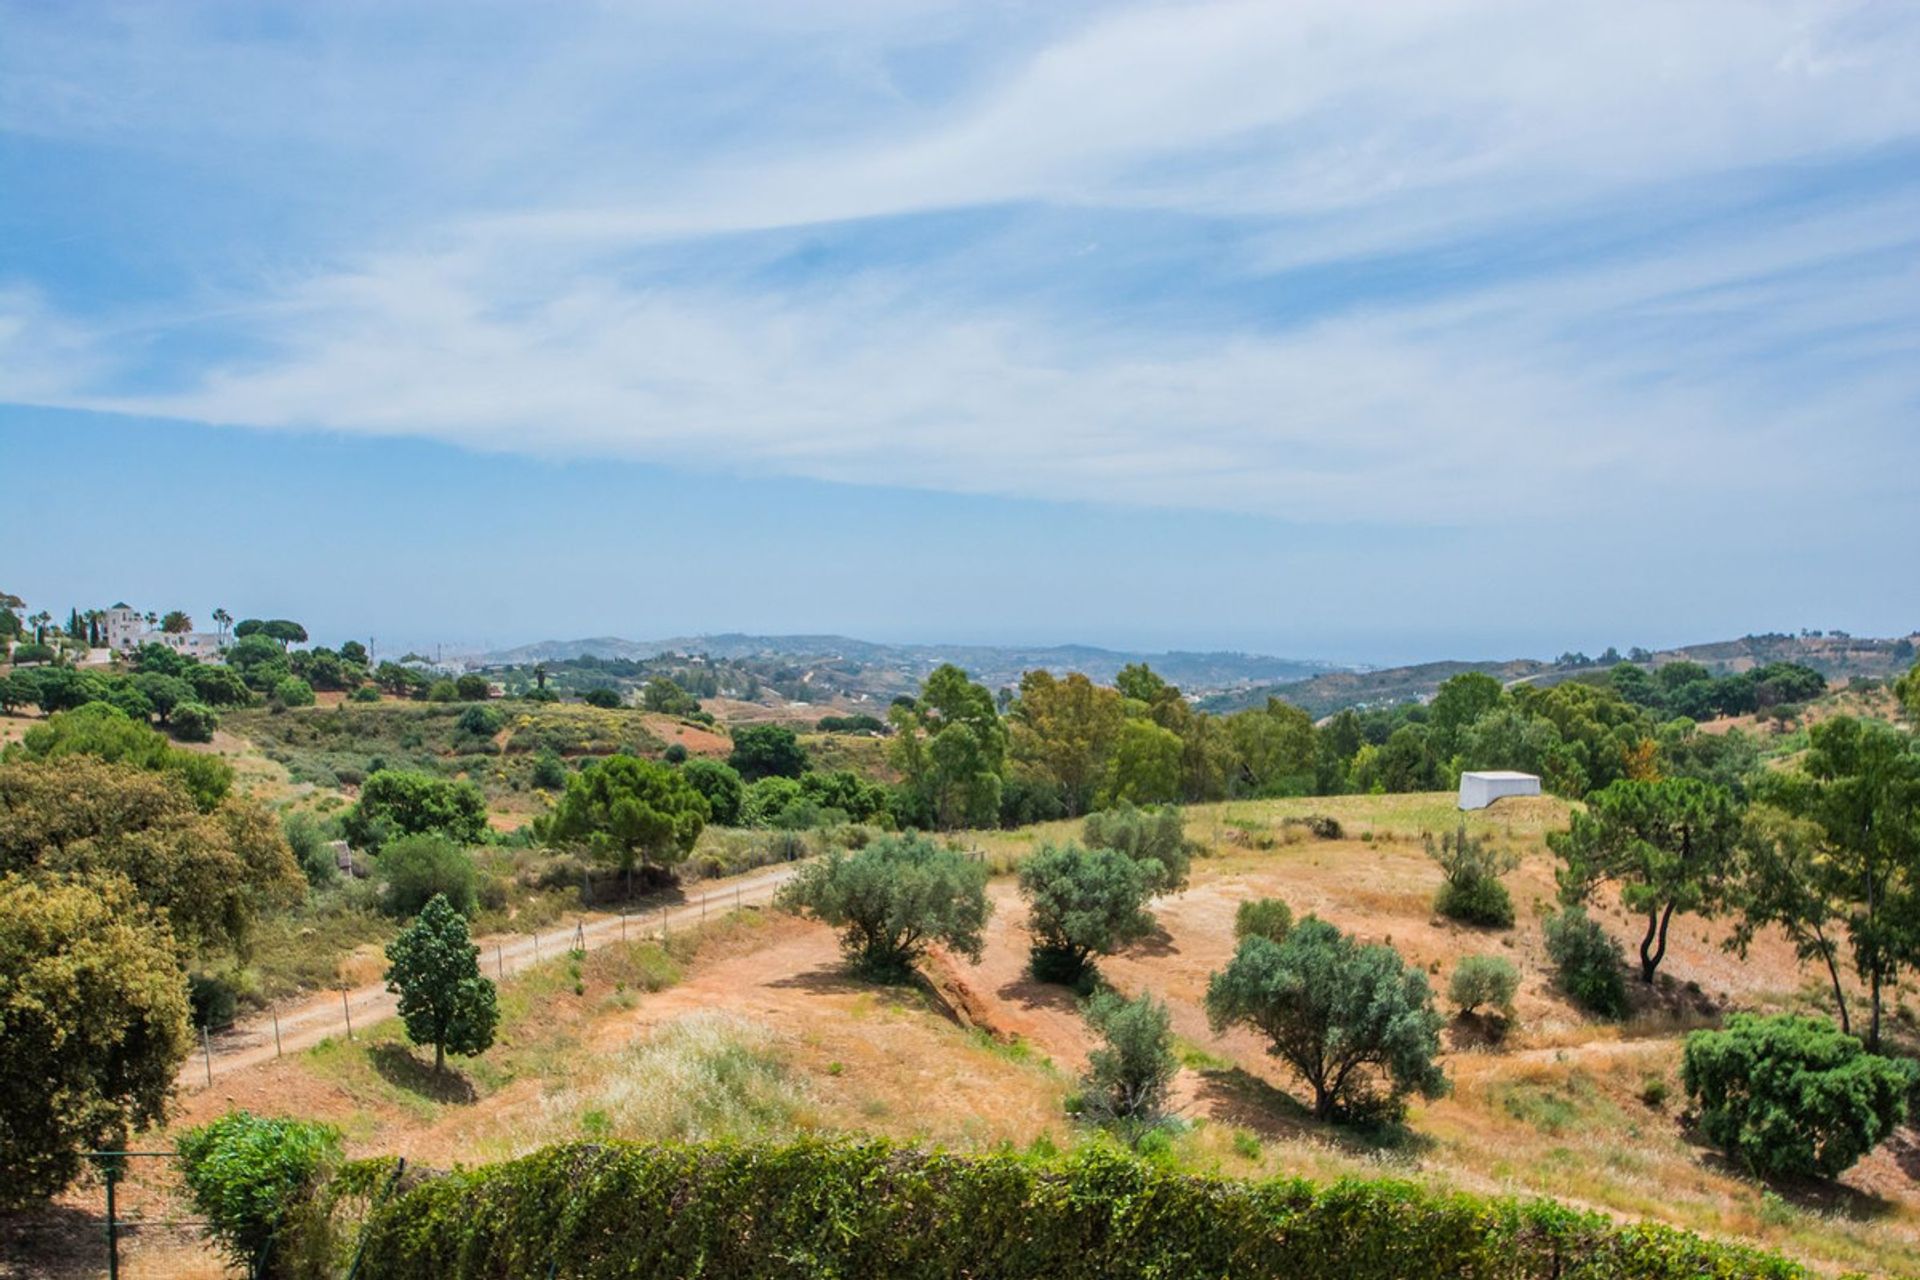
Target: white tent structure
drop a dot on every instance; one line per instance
(1478, 790)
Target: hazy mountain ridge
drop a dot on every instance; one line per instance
(993, 665)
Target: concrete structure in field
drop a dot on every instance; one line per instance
(1478, 790)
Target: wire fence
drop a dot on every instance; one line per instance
(250, 1041)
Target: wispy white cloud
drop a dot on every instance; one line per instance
(514, 316)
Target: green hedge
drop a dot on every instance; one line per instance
(868, 1209)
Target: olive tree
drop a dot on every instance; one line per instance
(1355, 1022)
(893, 899)
(1127, 1076)
(1081, 904)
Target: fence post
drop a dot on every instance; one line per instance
(348, 1010)
(579, 936)
(499, 962)
(536, 946)
(665, 931)
(113, 1233)
(206, 1052)
(276, 1033)
(623, 924)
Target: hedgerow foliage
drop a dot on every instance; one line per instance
(869, 1209)
(248, 1174)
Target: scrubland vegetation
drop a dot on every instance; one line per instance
(1081, 938)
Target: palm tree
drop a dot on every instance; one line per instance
(40, 621)
(223, 620)
(152, 617)
(93, 619)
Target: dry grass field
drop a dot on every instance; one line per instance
(751, 1028)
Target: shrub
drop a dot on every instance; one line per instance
(676, 753)
(1082, 904)
(292, 692)
(871, 1209)
(892, 899)
(722, 787)
(307, 837)
(211, 1001)
(1152, 835)
(767, 751)
(1472, 892)
(1127, 1076)
(247, 1175)
(549, 770)
(399, 802)
(479, 721)
(416, 868)
(193, 722)
(472, 688)
(1484, 980)
(604, 698)
(366, 693)
(1590, 962)
(1268, 918)
(1794, 1095)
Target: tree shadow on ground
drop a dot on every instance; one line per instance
(1485, 1032)
(1029, 992)
(397, 1065)
(53, 1240)
(1157, 944)
(912, 992)
(1234, 1095)
(1816, 1195)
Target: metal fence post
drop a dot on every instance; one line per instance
(348, 1010)
(499, 962)
(206, 1052)
(276, 1033)
(113, 1233)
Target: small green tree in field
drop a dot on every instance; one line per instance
(630, 812)
(1127, 1076)
(445, 1001)
(1589, 961)
(417, 869)
(1484, 981)
(1472, 892)
(1081, 904)
(1355, 1022)
(604, 698)
(1156, 835)
(1268, 918)
(246, 1173)
(1793, 1095)
(893, 899)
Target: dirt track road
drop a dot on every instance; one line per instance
(254, 1040)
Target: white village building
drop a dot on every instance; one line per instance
(1478, 790)
(127, 629)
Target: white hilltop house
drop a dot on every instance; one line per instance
(1480, 789)
(128, 629)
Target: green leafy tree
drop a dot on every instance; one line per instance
(292, 692)
(893, 899)
(1155, 836)
(1794, 1096)
(248, 1174)
(1268, 918)
(1589, 962)
(1457, 704)
(1907, 687)
(1471, 891)
(1129, 1073)
(1066, 729)
(604, 697)
(951, 745)
(93, 1019)
(1146, 765)
(630, 812)
(720, 783)
(1275, 748)
(1082, 904)
(445, 1001)
(1669, 844)
(218, 686)
(400, 802)
(354, 654)
(194, 722)
(107, 733)
(1859, 787)
(1355, 1022)
(472, 688)
(549, 770)
(661, 694)
(163, 693)
(767, 751)
(400, 681)
(417, 869)
(176, 622)
(1484, 981)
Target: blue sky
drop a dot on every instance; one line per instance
(1195, 325)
